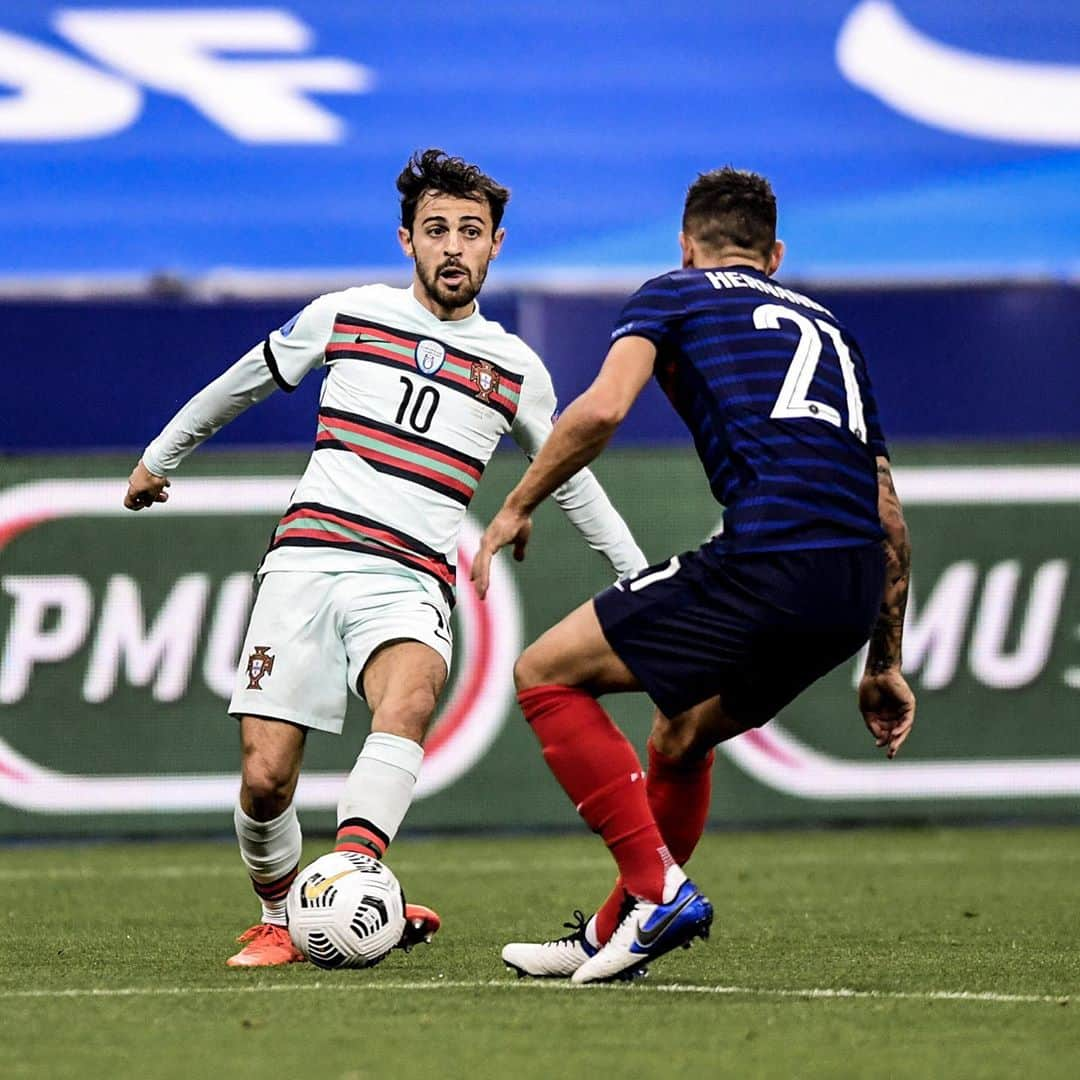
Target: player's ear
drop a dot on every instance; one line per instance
(686, 246)
(405, 240)
(776, 258)
(497, 242)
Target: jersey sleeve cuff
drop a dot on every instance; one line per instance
(653, 334)
(275, 371)
(152, 463)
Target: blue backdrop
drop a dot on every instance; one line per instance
(920, 137)
(987, 362)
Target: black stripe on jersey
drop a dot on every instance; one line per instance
(407, 541)
(373, 548)
(402, 366)
(511, 377)
(408, 436)
(271, 363)
(398, 471)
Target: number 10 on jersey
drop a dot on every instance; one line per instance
(423, 409)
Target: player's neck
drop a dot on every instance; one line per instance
(719, 260)
(443, 314)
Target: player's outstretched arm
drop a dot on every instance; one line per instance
(587, 507)
(282, 360)
(886, 700)
(582, 431)
(248, 380)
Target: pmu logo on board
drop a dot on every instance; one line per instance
(104, 651)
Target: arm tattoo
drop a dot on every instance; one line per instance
(886, 637)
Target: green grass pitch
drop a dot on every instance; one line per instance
(870, 953)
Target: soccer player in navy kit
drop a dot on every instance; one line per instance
(812, 561)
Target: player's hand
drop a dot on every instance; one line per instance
(507, 527)
(888, 707)
(145, 489)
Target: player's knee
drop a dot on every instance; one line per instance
(680, 739)
(670, 739)
(529, 671)
(407, 714)
(268, 781)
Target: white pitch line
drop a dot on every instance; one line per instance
(519, 985)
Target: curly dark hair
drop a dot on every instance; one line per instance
(731, 208)
(435, 170)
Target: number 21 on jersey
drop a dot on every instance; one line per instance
(793, 399)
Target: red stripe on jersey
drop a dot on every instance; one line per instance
(443, 573)
(371, 531)
(410, 466)
(412, 446)
(442, 375)
(515, 381)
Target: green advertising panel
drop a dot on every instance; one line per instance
(121, 636)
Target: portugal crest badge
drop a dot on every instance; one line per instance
(485, 378)
(259, 665)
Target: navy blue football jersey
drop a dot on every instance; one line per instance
(776, 395)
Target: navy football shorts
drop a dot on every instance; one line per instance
(756, 629)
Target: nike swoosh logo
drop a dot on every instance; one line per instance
(1019, 101)
(647, 938)
(313, 892)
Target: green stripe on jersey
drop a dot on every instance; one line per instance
(321, 525)
(354, 438)
(461, 368)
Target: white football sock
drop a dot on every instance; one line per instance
(271, 853)
(590, 933)
(674, 877)
(378, 792)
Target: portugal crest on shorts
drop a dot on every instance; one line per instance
(430, 356)
(259, 665)
(485, 378)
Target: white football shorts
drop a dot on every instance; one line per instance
(311, 635)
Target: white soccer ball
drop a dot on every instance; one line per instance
(346, 910)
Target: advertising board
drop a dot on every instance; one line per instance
(121, 635)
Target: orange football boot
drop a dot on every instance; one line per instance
(421, 925)
(265, 945)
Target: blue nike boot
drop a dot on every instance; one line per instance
(649, 930)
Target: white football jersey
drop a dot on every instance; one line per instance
(411, 411)
(412, 408)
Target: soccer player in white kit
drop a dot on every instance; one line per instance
(356, 588)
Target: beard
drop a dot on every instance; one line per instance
(454, 296)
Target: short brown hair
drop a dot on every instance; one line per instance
(435, 170)
(731, 208)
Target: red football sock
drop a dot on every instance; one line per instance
(679, 794)
(599, 770)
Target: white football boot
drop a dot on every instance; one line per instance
(557, 959)
(650, 930)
